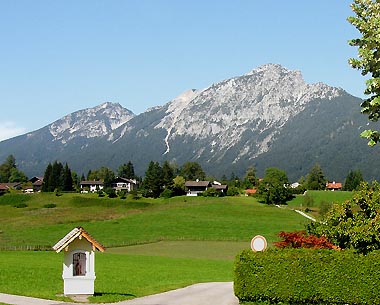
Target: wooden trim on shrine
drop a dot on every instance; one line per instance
(77, 232)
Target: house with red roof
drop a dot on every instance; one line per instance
(250, 192)
(333, 186)
(3, 188)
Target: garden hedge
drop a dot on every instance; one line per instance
(305, 276)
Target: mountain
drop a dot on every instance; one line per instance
(267, 117)
(90, 123)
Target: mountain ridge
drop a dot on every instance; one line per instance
(252, 119)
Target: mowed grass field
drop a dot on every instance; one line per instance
(153, 245)
(319, 197)
(116, 222)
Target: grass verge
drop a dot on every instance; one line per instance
(119, 277)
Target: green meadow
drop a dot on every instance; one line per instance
(319, 197)
(153, 245)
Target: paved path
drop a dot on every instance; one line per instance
(218, 293)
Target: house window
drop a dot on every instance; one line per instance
(79, 264)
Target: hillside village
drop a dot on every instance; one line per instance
(166, 181)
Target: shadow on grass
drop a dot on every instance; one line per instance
(110, 297)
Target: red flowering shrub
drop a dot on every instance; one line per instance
(300, 239)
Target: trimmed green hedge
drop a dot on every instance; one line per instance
(304, 276)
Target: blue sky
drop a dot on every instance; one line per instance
(57, 57)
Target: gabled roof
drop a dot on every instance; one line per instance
(334, 185)
(3, 187)
(220, 187)
(197, 183)
(77, 232)
(13, 184)
(91, 182)
(126, 180)
(36, 179)
(38, 183)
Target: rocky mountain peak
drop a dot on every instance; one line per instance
(268, 117)
(275, 70)
(261, 101)
(289, 82)
(91, 122)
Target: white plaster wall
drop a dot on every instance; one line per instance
(82, 284)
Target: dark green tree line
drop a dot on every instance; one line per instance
(316, 180)
(57, 177)
(126, 170)
(353, 180)
(153, 180)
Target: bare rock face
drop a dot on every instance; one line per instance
(90, 123)
(267, 117)
(261, 101)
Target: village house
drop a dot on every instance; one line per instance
(250, 192)
(124, 184)
(118, 184)
(333, 186)
(91, 186)
(193, 188)
(3, 188)
(37, 183)
(14, 185)
(220, 187)
(34, 185)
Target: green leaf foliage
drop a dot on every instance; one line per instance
(126, 170)
(316, 179)
(354, 223)
(273, 188)
(367, 22)
(57, 177)
(152, 183)
(304, 276)
(9, 171)
(192, 171)
(353, 180)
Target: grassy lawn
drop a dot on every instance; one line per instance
(153, 245)
(318, 199)
(320, 196)
(119, 276)
(117, 222)
(211, 250)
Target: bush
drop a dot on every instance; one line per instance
(211, 192)
(233, 191)
(50, 205)
(305, 276)
(110, 192)
(324, 207)
(167, 193)
(300, 239)
(353, 224)
(57, 192)
(20, 205)
(122, 194)
(308, 200)
(298, 190)
(134, 194)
